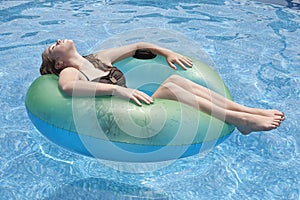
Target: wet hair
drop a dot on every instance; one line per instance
(48, 66)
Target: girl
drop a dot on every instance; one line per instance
(94, 74)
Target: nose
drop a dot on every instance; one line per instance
(58, 41)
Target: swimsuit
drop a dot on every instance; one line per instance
(115, 76)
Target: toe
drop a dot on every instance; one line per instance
(277, 119)
(276, 124)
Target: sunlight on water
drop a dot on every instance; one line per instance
(253, 45)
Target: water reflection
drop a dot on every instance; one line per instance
(99, 188)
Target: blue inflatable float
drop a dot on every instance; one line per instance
(114, 129)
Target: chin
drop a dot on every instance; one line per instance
(69, 41)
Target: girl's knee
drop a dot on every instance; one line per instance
(164, 91)
(174, 78)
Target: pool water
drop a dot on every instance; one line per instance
(253, 45)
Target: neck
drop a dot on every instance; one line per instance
(78, 62)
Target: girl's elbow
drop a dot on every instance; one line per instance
(67, 89)
(142, 45)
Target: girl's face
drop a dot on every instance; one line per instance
(61, 50)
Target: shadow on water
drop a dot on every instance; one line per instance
(99, 188)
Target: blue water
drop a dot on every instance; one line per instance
(253, 45)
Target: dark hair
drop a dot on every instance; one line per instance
(48, 66)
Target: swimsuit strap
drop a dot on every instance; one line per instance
(96, 62)
(115, 76)
(84, 75)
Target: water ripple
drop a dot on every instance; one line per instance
(254, 46)
(45, 42)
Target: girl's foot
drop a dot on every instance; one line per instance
(248, 123)
(266, 113)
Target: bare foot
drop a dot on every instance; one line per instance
(266, 113)
(248, 123)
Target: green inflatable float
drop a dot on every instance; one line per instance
(115, 129)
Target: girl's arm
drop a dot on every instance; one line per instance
(71, 84)
(110, 56)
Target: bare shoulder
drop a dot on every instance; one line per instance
(69, 71)
(112, 55)
(104, 56)
(69, 74)
(100, 53)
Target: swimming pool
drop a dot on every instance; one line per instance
(255, 48)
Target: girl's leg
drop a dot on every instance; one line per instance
(216, 98)
(245, 122)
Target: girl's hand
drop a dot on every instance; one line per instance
(176, 58)
(135, 95)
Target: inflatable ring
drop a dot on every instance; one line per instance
(112, 128)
